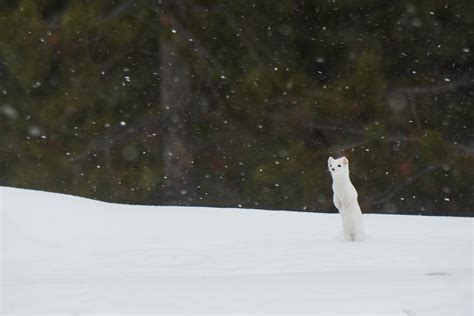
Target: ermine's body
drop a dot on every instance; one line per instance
(345, 199)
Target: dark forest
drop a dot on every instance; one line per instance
(240, 103)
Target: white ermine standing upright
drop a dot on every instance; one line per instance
(345, 199)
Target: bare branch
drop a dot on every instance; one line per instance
(118, 10)
(395, 190)
(437, 88)
(118, 135)
(413, 109)
(337, 128)
(467, 149)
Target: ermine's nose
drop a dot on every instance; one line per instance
(333, 169)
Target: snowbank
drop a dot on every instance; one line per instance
(72, 255)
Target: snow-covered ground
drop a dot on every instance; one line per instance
(72, 255)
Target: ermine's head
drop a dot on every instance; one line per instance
(338, 166)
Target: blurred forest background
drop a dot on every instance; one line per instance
(240, 103)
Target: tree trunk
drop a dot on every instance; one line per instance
(177, 145)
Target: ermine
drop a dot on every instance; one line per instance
(345, 199)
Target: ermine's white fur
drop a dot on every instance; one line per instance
(345, 199)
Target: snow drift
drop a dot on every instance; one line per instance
(72, 255)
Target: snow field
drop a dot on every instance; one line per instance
(64, 254)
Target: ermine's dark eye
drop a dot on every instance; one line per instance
(339, 166)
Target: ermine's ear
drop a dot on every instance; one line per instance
(330, 159)
(345, 161)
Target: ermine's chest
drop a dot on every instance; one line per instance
(344, 190)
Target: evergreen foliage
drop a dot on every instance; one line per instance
(275, 88)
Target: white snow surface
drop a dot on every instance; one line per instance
(70, 255)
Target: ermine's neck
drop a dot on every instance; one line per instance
(341, 179)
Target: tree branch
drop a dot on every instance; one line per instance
(395, 190)
(118, 10)
(465, 82)
(117, 135)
